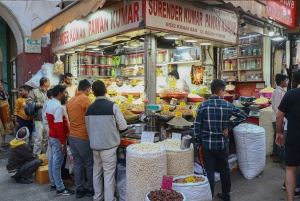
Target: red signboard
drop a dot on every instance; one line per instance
(283, 11)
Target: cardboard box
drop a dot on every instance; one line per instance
(45, 160)
(42, 156)
(42, 175)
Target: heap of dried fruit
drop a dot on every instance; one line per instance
(164, 195)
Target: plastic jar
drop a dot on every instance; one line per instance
(108, 70)
(95, 71)
(88, 58)
(259, 63)
(103, 60)
(161, 56)
(126, 60)
(109, 59)
(139, 59)
(227, 65)
(249, 52)
(82, 58)
(88, 70)
(134, 58)
(102, 70)
(95, 59)
(233, 64)
(82, 70)
(243, 64)
(251, 64)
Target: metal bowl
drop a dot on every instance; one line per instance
(187, 116)
(182, 128)
(164, 118)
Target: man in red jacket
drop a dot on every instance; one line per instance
(58, 133)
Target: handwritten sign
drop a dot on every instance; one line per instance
(197, 104)
(147, 137)
(176, 136)
(194, 114)
(193, 92)
(157, 99)
(173, 84)
(119, 94)
(182, 104)
(167, 183)
(178, 114)
(123, 107)
(130, 96)
(129, 100)
(166, 108)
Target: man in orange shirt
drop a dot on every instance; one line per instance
(79, 139)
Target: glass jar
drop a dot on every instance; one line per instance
(126, 60)
(88, 58)
(108, 70)
(82, 70)
(109, 60)
(139, 59)
(161, 56)
(249, 53)
(95, 59)
(243, 64)
(88, 70)
(259, 63)
(103, 60)
(142, 56)
(102, 70)
(233, 65)
(259, 52)
(133, 59)
(95, 71)
(251, 63)
(82, 58)
(227, 65)
(254, 52)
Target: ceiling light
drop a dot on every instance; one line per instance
(271, 31)
(278, 38)
(171, 36)
(205, 43)
(96, 49)
(79, 49)
(70, 51)
(183, 47)
(190, 40)
(123, 37)
(134, 43)
(92, 45)
(105, 42)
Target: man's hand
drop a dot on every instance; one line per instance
(17, 124)
(279, 139)
(42, 105)
(225, 132)
(63, 148)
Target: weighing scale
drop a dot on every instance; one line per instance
(254, 111)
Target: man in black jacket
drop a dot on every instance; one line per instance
(22, 163)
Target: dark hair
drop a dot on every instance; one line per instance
(62, 79)
(280, 78)
(99, 88)
(217, 85)
(68, 75)
(43, 80)
(119, 77)
(58, 89)
(296, 77)
(25, 87)
(174, 73)
(49, 93)
(83, 85)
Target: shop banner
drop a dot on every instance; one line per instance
(104, 23)
(192, 19)
(283, 11)
(32, 46)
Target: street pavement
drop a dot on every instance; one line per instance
(265, 187)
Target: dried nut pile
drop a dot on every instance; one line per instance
(179, 121)
(268, 89)
(179, 162)
(164, 195)
(146, 164)
(162, 102)
(128, 115)
(260, 101)
(228, 94)
(193, 96)
(230, 87)
(184, 180)
(172, 90)
(140, 107)
(120, 98)
(184, 110)
(59, 67)
(166, 113)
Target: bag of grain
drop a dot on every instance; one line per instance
(266, 122)
(194, 187)
(146, 164)
(250, 143)
(179, 162)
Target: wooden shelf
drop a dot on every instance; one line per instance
(230, 59)
(185, 62)
(249, 45)
(88, 76)
(230, 70)
(258, 69)
(251, 57)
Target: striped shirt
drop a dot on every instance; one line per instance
(212, 118)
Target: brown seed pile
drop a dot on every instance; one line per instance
(164, 195)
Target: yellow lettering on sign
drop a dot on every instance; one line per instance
(166, 108)
(173, 84)
(178, 114)
(182, 104)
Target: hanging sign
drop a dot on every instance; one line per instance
(32, 46)
(283, 11)
(103, 23)
(192, 19)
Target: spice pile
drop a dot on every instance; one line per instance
(179, 121)
(164, 195)
(184, 110)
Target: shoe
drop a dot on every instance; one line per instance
(89, 193)
(65, 192)
(23, 180)
(53, 188)
(283, 186)
(220, 195)
(276, 159)
(297, 194)
(80, 194)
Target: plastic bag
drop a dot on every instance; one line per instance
(58, 67)
(250, 143)
(233, 164)
(70, 161)
(121, 182)
(199, 191)
(198, 169)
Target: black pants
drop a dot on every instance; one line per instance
(210, 158)
(28, 169)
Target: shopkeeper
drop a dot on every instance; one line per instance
(180, 83)
(71, 88)
(119, 81)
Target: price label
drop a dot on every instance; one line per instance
(129, 100)
(193, 92)
(147, 137)
(167, 183)
(117, 102)
(141, 95)
(157, 99)
(197, 104)
(190, 179)
(178, 114)
(123, 107)
(176, 136)
(173, 84)
(182, 104)
(130, 96)
(119, 93)
(133, 81)
(194, 114)
(166, 108)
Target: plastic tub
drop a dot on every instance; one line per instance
(95, 71)
(103, 60)
(95, 59)
(89, 71)
(109, 60)
(82, 70)
(108, 70)
(102, 70)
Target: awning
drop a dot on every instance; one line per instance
(74, 11)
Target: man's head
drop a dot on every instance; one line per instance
(282, 80)
(47, 70)
(296, 77)
(24, 91)
(218, 88)
(60, 93)
(68, 78)
(84, 87)
(173, 76)
(119, 81)
(23, 133)
(49, 94)
(99, 88)
(44, 82)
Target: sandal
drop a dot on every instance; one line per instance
(5, 144)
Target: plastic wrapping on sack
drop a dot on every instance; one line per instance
(233, 164)
(59, 67)
(199, 191)
(265, 122)
(250, 143)
(121, 182)
(144, 172)
(184, 198)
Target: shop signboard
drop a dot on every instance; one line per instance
(32, 46)
(283, 11)
(114, 20)
(192, 19)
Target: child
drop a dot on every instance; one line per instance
(21, 119)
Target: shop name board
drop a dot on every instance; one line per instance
(32, 46)
(283, 11)
(192, 19)
(98, 25)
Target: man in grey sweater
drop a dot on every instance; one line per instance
(104, 120)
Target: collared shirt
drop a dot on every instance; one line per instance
(39, 96)
(181, 84)
(276, 98)
(213, 117)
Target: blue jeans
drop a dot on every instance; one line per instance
(55, 162)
